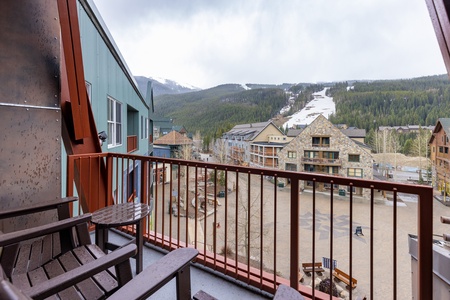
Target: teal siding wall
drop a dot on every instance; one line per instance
(108, 76)
(103, 72)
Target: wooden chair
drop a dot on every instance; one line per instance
(59, 258)
(44, 263)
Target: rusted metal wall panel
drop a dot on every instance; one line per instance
(30, 118)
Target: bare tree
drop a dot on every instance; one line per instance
(247, 222)
(220, 151)
(198, 142)
(420, 146)
(185, 152)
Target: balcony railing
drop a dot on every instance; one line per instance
(258, 225)
(132, 143)
(322, 161)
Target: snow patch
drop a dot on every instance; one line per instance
(320, 105)
(245, 87)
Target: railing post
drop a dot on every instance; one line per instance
(144, 190)
(109, 180)
(425, 244)
(294, 233)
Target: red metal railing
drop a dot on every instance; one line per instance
(247, 225)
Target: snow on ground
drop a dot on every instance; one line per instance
(245, 87)
(321, 104)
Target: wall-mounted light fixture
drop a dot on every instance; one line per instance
(102, 136)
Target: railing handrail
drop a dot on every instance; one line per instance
(425, 204)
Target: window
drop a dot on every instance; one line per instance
(147, 125)
(332, 170)
(114, 123)
(311, 154)
(353, 157)
(290, 167)
(330, 155)
(441, 149)
(89, 90)
(142, 127)
(292, 154)
(320, 141)
(353, 172)
(309, 168)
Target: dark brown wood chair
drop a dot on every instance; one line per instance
(45, 263)
(59, 258)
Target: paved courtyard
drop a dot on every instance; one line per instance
(382, 234)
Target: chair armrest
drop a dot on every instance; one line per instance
(156, 275)
(26, 234)
(9, 291)
(72, 277)
(37, 207)
(285, 292)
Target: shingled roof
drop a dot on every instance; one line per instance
(173, 138)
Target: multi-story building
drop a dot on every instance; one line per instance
(323, 148)
(406, 129)
(255, 144)
(440, 157)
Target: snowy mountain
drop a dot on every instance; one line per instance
(163, 86)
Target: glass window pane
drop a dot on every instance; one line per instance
(118, 134)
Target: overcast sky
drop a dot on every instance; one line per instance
(210, 42)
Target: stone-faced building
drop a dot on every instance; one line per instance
(440, 156)
(323, 148)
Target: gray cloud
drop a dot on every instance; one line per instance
(206, 43)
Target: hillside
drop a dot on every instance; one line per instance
(363, 104)
(218, 109)
(368, 105)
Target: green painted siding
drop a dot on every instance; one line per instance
(104, 73)
(108, 76)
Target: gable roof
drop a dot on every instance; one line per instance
(323, 124)
(251, 130)
(173, 138)
(442, 123)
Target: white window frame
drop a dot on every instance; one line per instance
(115, 138)
(89, 90)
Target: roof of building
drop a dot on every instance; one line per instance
(294, 132)
(443, 123)
(173, 138)
(353, 132)
(406, 127)
(251, 130)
